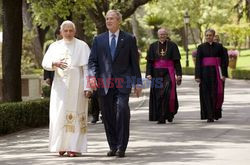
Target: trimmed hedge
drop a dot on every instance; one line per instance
(239, 74)
(233, 73)
(19, 115)
(188, 71)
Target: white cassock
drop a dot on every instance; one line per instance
(68, 105)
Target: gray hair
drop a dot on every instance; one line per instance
(163, 29)
(118, 14)
(210, 30)
(67, 23)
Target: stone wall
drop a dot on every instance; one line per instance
(31, 87)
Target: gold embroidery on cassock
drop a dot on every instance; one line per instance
(83, 123)
(70, 118)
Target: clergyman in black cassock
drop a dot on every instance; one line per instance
(210, 73)
(164, 70)
(48, 76)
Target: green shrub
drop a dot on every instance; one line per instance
(46, 91)
(188, 71)
(239, 74)
(233, 73)
(19, 115)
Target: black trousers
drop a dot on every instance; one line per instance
(116, 117)
(95, 110)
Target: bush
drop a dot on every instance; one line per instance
(233, 73)
(239, 74)
(19, 115)
(46, 91)
(188, 71)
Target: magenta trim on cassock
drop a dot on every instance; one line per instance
(216, 61)
(168, 64)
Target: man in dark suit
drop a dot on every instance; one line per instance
(113, 70)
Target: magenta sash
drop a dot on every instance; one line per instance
(168, 64)
(216, 61)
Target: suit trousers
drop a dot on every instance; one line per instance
(116, 118)
(94, 104)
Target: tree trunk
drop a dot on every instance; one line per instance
(248, 20)
(37, 49)
(42, 33)
(98, 19)
(192, 34)
(12, 50)
(248, 10)
(80, 31)
(154, 31)
(135, 25)
(38, 40)
(200, 31)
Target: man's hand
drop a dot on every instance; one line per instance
(87, 93)
(149, 77)
(198, 80)
(178, 80)
(138, 90)
(223, 78)
(93, 83)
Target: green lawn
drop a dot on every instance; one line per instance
(243, 61)
(143, 62)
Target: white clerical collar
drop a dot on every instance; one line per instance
(162, 42)
(116, 33)
(210, 43)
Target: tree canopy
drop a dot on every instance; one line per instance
(40, 18)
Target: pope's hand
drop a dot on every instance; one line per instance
(87, 93)
(60, 64)
(93, 83)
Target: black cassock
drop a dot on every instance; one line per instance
(160, 97)
(48, 75)
(208, 86)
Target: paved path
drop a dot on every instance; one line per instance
(187, 141)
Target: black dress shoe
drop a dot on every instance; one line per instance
(101, 119)
(111, 153)
(210, 120)
(120, 154)
(94, 121)
(161, 122)
(170, 120)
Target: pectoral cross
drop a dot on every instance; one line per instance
(162, 53)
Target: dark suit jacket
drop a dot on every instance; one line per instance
(124, 68)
